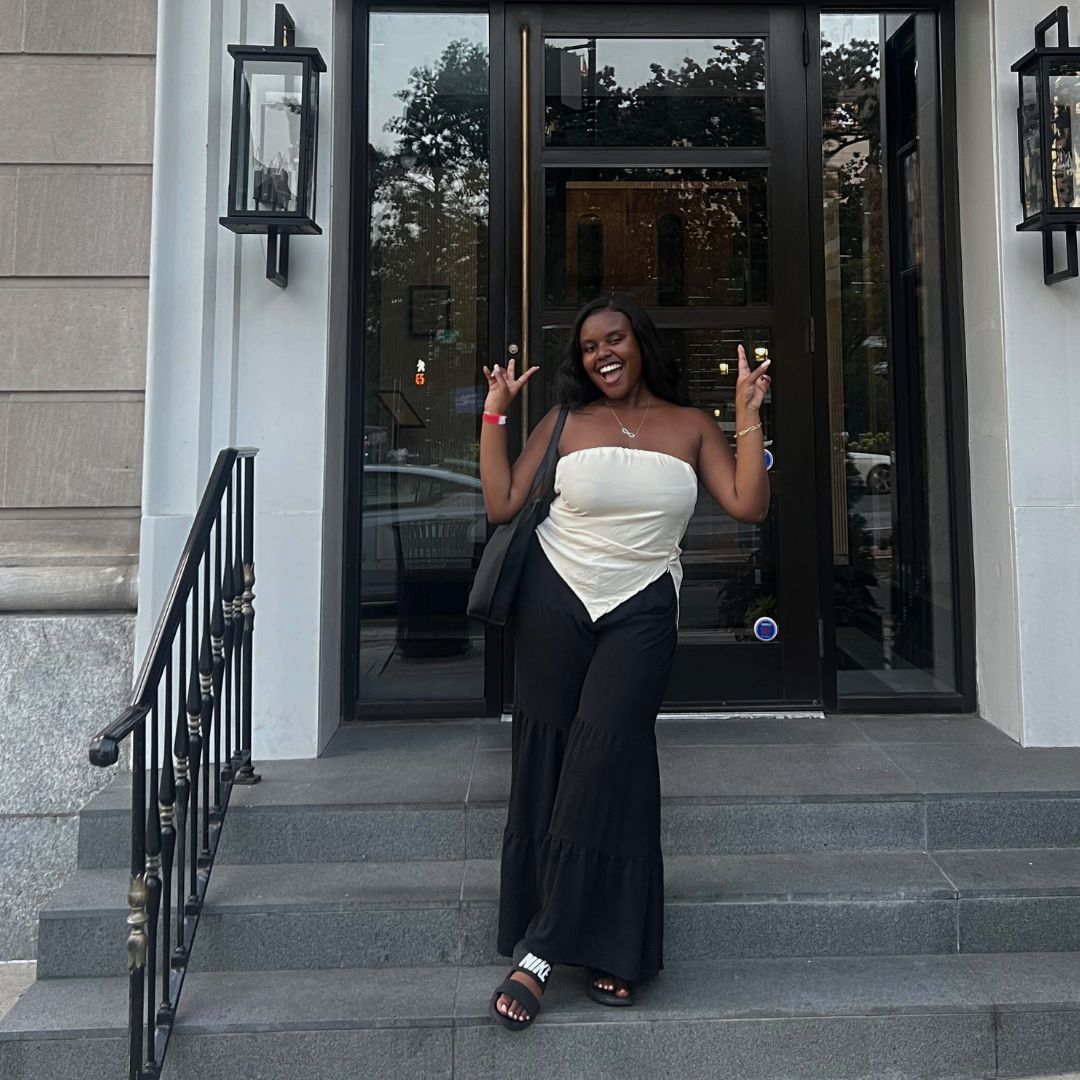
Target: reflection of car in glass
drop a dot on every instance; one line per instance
(419, 515)
(875, 471)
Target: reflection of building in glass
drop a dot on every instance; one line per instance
(428, 238)
(668, 242)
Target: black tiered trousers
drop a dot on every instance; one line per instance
(582, 876)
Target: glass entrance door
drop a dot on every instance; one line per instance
(660, 151)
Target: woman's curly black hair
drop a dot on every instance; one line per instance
(573, 386)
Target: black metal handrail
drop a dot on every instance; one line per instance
(204, 633)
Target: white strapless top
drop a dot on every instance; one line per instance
(615, 524)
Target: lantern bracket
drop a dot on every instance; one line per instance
(284, 27)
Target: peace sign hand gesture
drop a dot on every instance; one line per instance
(503, 387)
(752, 386)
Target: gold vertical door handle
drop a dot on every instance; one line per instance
(524, 359)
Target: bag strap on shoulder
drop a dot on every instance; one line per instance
(544, 481)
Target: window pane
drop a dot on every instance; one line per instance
(1064, 134)
(892, 542)
(669, 237)
(1031, 145)
(269, 130)
(423, 522)
(654, 91)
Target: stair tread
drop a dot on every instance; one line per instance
(225, 1002)
(450, 764)
(841, 875)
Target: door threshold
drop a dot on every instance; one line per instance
(747, 714)
(740, 714)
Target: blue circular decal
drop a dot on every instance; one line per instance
(765, 629)
(768, 460)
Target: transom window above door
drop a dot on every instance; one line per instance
(608, 91)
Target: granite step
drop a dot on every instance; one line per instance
(800, 1018)
(444, 912)
(437, 790)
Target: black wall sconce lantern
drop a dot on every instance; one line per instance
(1048, 121)
(275, 117)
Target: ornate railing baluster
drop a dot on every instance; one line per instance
(167, 803)
(247, 774)
(205, 636)
(206, 712)
(217, 637)
(183, 790)
(136, 920)
(238, 625)
(153, 902)
(227, 594)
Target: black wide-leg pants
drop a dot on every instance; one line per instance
(582, 876)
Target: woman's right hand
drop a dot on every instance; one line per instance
(503, 386)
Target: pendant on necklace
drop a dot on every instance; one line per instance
(629, 434)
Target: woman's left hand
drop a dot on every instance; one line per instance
(752, 386)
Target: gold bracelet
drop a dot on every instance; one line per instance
(746, 431)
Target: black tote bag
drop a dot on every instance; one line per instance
(496, 582)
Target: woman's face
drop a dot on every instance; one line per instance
(610, 353)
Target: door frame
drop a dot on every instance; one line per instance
(497, 668)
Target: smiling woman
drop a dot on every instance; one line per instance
(595, 637)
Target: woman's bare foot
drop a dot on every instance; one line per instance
(509, 1007)
(611, 984)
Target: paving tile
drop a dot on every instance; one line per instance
(1028, 980)
(963, 768)
(809, 928)
(88, 1058)
(233, 1001)
(404, 778)
(759, 731)
(364, 736)
(14, 980)
(1020, 924)
(386, 1053)
(927, 1047)
(930, 728)
(1026, 872)
(494, 735)
(1005, 821)
(483, 831)
(749, 827)
(795, 876)
(791, 771)
(490, 777)
(1030, 1042)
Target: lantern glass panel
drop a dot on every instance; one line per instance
(1064, 96)
(312, 140)
(268, 136)
(1031, 145)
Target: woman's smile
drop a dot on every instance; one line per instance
(611, 371)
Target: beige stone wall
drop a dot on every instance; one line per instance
(76, 142)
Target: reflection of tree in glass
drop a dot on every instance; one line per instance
(853, 177)
(429, 205)
(443, 129)
(718, 103)
(853, 160)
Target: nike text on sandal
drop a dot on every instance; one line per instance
(535, 968)
(607, 997)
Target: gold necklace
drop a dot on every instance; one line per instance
(622, 427)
